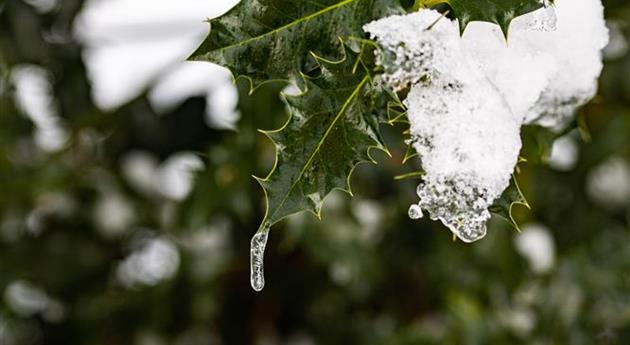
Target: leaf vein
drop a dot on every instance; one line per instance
(289, 25)
(313, 155)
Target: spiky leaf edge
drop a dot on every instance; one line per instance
(464, 21)
(265, 225)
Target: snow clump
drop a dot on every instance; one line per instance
(469, 96)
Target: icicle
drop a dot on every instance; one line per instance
(257, 257)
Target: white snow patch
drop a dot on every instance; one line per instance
(34, 96)
(113, 214)
(564, 153)
(470, 96)
(608, 184)
(43, 6)
(155, 260)
(468, 142)
(131, 44)
(140, 168)
(25, 298)
(175, 176)
(536, 245)
(199, 79)
(576, 46)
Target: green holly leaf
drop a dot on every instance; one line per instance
(332, 127)
(500, 12)
(271, 39)
(511, 197)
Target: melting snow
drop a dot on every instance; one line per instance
(470, 96)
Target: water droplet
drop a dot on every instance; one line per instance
(472, 234)
(257, 257)
(415, 212)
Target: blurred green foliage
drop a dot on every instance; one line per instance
(365, 274)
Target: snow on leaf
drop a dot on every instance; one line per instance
(463, 130)
(576, 46)
(468, 143)
(470, 95)
(546, 71)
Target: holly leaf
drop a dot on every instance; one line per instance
(271, 39)
(511, 197)
(500, 12)
(332, 127)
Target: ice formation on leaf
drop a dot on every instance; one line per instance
(470, 95)
(468, 141)
(409, 54)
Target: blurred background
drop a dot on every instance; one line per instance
(127, 206)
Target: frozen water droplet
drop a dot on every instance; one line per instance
(472, 233)
(257, 257)
(415, 212)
